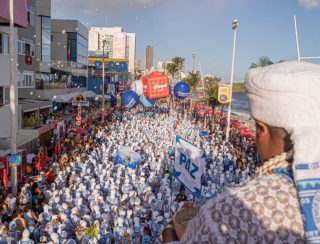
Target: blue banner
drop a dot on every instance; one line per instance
(127, 157)
(189, 165)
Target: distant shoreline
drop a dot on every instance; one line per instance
(238, 87)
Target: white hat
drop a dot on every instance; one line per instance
(64, 234)
(54, 237)
(159, 219)
(25, 234)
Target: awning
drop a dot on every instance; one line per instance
(19, 11)
(89, 94)
(65, 98)
(30, 105)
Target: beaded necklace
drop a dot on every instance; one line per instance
(281, 164)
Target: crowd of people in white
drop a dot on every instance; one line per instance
(95, 200)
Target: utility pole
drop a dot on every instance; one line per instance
(13, 128)
(103, 70)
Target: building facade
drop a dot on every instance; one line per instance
(116, 43)
(34, 45)
(69, 48)
(149, 58)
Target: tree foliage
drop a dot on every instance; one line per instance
(262, 62)
(193, 80)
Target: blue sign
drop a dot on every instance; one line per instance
(181, 90)
(98, 64)
(15, 159)
(112, 66)
(123, 67)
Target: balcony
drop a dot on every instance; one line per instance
(55, 85)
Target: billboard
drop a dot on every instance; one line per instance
(119, 45)
(224, 94)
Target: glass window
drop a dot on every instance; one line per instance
(46, 53)
(7, 95)
(4, 43)
(19, 80)
(27, 49)
(1, 96)
(46, 22)
(46, 36)
(23, 47)
(32, 50)
(31, 16)
(46, 39)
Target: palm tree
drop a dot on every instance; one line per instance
(193, 80)
(179, 62)
(172, 70)
(211, 86)
(262, 62)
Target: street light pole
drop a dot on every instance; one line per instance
(13, 127)
(297, 37)
(103, 82)
(193, 57)
(234, 27)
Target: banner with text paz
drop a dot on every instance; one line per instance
(189, 164)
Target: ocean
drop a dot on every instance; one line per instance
(240, 104)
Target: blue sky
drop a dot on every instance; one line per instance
(181, 27)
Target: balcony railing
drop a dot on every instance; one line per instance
(55, 85)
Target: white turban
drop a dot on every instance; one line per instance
(287, 95)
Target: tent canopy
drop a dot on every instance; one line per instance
(65, 98)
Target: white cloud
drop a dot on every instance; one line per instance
(97, 7)
(310, 4)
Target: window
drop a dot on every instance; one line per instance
(26, 79)
(1, 96)
(4, 96)
(4, 43)
(31, 16)
(7, 96)
(25, 48)
(19, 80)
(46, 39)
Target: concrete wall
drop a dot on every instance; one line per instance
(5, 82)
(5, 121)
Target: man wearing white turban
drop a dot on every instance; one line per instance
(281, 204)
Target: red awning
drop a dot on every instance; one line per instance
(19, 10)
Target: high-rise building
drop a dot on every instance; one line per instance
(118, 45)
(138, 64)
(149, 58)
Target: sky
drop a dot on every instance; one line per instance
(181, 27)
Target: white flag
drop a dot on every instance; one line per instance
(189, 164)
